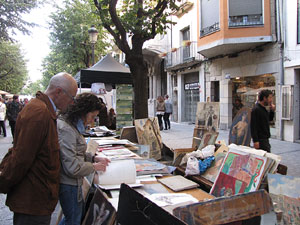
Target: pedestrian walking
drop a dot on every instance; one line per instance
(160, 110)
(29, 172)
(2, 117)
(76, 162)
(168, 112)
(260, 120)
(12, 112)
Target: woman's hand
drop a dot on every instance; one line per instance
(100, 163)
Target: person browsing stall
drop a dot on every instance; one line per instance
(75, 161)
(29, 172)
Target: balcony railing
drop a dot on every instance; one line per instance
(246, 20)
(182, 55)
(211, 29)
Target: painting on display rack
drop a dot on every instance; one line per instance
(240, 133)
(100, 210)
(207, 115)
(148, 133)
(240, 172)
(284, 191)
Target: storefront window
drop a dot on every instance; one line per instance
(245, 91)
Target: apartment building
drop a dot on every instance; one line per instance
(239, 42)
(290, 36)
(174, 64)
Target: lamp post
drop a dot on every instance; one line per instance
(93, 33)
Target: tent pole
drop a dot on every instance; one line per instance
(79, 87)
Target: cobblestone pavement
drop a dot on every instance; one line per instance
(180, 136)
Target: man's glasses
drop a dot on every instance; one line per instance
(70, 96)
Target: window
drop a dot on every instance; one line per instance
(245, 13)
(185, 49)
(210, 17)
(287, 102)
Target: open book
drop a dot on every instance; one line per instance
(118, 172)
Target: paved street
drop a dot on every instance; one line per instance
(180, 136)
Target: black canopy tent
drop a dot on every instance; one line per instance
(107, 70)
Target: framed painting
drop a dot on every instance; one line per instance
(284, 191)
(100, 211)
(240, 133)
(148, 133)
(207, 115)
(209, 138)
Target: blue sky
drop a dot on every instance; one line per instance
(286, 185)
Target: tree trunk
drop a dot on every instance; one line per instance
(139, 73)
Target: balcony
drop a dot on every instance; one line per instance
(184, 56)
(211, 29)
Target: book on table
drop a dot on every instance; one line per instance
(178, 183)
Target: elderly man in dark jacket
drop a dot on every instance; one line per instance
(29, 173)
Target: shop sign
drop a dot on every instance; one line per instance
(192, 86)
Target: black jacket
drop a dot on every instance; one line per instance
(260, 127)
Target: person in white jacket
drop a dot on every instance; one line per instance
(2, 116)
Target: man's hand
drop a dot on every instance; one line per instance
(256, 145)
(272, 107)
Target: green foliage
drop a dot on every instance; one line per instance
(13, 72)
(32, 87)
(11, 16)
(70, 46)
(141, 19)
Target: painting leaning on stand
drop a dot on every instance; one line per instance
(76, 162)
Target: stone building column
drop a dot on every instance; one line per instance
(225, 104)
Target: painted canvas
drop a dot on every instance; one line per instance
(148, 133)
(209, 138)
(240, 172)
(100, 211)
(212, 172)
(285, 194)
(197, 136)
(240, 133)
(207, 115)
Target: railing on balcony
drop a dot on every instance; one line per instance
(182, 55)
(246, 20)
(210, 29)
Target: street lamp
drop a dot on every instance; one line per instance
(93, 39)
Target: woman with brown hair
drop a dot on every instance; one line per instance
(75, 161)
(160, 110)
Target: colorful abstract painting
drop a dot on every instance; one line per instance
(240, 172)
